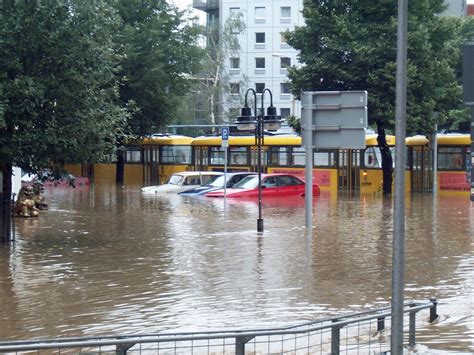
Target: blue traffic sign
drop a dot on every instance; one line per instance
(225, 133)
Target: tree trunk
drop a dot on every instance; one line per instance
(5, 203)
(387, 161)
(212, 113)
(120, 167)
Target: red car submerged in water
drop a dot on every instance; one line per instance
(273, 185)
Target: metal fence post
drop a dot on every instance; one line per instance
(380, 323)
(5, 219)
(335, 338)
(433, 310)
(412, 328)
(240, 344)
(121, 349)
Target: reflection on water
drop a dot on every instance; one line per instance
(107, 261)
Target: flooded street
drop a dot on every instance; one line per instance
(111, 261)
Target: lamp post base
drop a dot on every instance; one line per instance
(260, 225)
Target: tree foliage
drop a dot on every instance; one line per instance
(351, 45)
(160, 54)
(58, 88)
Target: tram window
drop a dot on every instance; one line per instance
(324, 158)
(238, 156)
(278, 156)
(151, 154)
(298, 156)
(450, 158)
(176, 155)
(217, 156)
(133, 155)
(201, 156)
(372, 158)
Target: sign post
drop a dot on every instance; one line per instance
(468, 86)
(331, 120)
(225, 145)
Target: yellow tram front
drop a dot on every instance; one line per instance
(453, 152)
(164, 155)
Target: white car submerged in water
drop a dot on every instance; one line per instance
(182, 181)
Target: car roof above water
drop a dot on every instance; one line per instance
(194, 173)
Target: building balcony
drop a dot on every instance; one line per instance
(206, 5)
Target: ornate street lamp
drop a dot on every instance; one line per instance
(259, 123)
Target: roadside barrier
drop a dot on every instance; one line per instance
(366, 332)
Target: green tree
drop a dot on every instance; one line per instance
(58, 89)
(160, 54)
(351, 45)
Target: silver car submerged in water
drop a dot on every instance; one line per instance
(182, 181)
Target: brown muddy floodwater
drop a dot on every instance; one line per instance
(108, 261)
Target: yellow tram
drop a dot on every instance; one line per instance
(152, 160)
(453, 156)
(149, 162)
(333, 169)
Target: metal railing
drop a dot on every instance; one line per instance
(357, 333)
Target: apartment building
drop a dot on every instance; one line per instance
(264, 55)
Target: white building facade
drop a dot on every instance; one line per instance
(264, 55)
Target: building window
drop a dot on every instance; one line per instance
(260, 63)
(259, 13)
(235, 88)
(282, 38)
(285, 62)
(259, 87)
(285, 12)
(284, 112)
(234, 11)
(234, 63)
(285, 88)
(260, 37)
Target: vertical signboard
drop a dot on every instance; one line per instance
(338, 119)
(330, 120)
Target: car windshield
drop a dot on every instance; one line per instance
(249, 182)
(218, 181)
(175, 180)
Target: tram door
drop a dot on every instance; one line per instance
(348, 170)
(421, 168)
(151, 165)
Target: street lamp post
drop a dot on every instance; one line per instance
(258, 123)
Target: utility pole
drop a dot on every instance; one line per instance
(398, 256)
